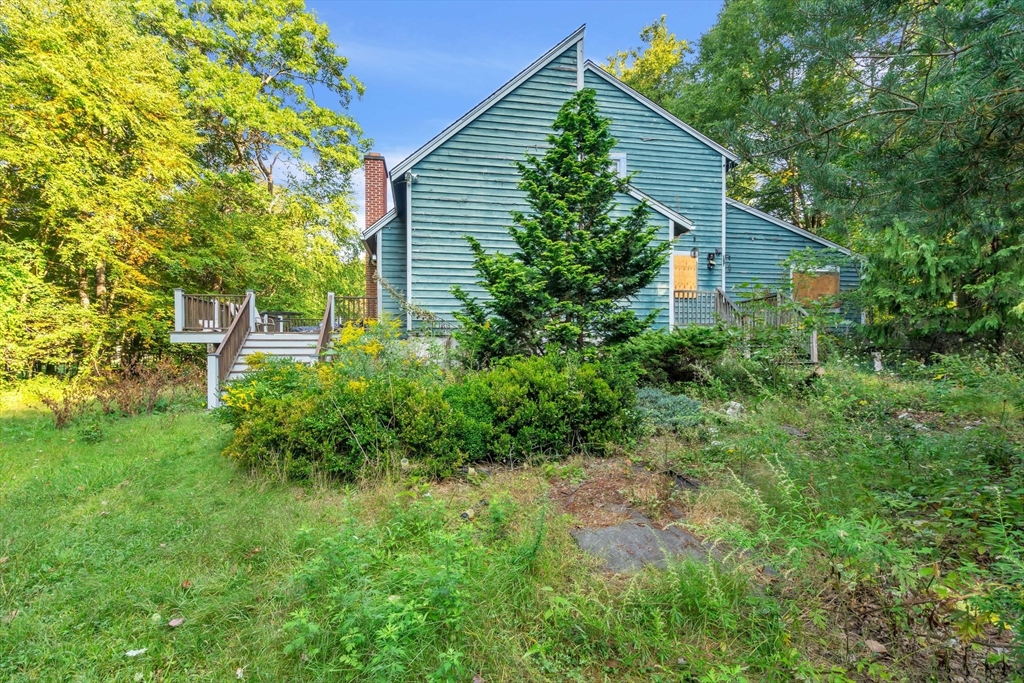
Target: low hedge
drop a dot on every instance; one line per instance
(376, 404)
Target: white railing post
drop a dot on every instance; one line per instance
(216, 313)
(212, 381)
(330, 306)
(814, 346)
(179, 309)
(252, 310)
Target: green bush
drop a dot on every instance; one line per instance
(546, 406)
(377, 404)
(667, 358)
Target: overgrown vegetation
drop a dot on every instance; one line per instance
(869, 528)
(378, 405)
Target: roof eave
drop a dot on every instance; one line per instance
(788, 226)
(379, 224)
(658, 109)
(494, 97)
(665, 211)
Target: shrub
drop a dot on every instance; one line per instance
(667, 358)
(377, 403)
(666, 411)
(546, 406)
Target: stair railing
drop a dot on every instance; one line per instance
(326, 327)
(218, 363)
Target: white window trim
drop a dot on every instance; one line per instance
(621, 167)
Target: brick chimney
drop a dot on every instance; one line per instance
(376, 183)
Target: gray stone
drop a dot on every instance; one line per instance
(734, 409)
(629, 546)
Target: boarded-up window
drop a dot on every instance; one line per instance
(812, 286)
(685, 272)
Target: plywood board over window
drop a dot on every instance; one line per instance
(685, 272)
(813, 286)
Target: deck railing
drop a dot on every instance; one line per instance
(205, 312)
(354, 309)
(326, 327)
(220, 361)
(694, 307)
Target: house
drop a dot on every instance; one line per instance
(463, 181)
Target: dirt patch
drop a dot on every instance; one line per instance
(616, 490)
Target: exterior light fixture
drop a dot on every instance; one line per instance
(695, 252)
(711, 260)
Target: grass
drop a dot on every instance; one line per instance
(885, 511)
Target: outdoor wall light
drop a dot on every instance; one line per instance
(695, 252)
(711, 260)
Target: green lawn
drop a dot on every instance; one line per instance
(860, 509)
(104, 543)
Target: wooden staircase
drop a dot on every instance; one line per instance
(298, 346)
(233, 330)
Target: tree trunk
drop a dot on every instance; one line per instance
(83, 287)
(101, 285)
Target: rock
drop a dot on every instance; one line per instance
(629, 546)
(734, 409)
(875, 646)
(793, 431)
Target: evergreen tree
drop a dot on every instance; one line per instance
(576, 266)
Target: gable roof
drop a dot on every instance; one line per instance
(783, 224)
(612, 80)
(372, 230)
(642, 196)
(479, 109)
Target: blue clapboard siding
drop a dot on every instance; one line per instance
(655, 296)
(674, 167)
(392, 263)
(757, 247)
(468, 184)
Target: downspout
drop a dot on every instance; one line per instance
(724, 161)
(408, 250)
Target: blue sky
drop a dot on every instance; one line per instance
(425, 64)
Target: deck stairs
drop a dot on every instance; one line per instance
(299, 346)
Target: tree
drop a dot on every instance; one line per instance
(656, 69)
(750, 85)
(927, 161)
(576, 266)
(92, 137)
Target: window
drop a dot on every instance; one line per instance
(618, 163)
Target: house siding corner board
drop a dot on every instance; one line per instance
(674, 167)
(468, 185)
(756, 247)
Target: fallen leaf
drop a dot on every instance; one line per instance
(176, 622)
(9, 617)
(186, 584)
(239, 674)
(104, 513)
(163, 545)
(81, 488)
(478, 679)
(3, 560)
(875, 646)
(136, 653)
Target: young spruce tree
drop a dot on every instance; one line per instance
(576, 267)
